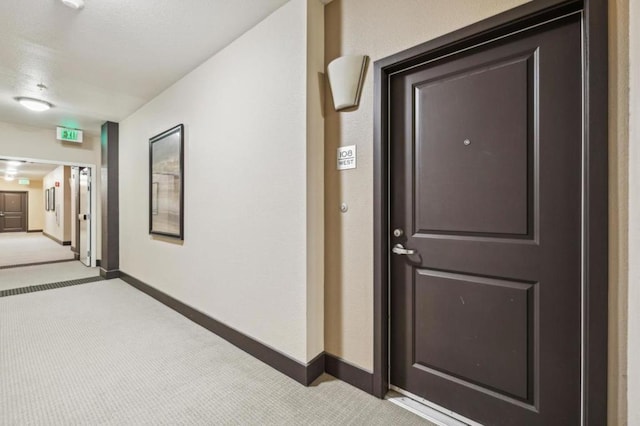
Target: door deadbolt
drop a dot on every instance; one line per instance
(398, 232)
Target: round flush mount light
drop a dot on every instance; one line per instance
(34, 104)
(73, 4)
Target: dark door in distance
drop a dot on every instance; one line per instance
(486, 187)
(13, 211)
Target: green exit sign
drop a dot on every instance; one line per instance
(69, 135)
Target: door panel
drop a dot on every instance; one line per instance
(84, 216)
(481, 183)
(13, 212)
(486, 185)
(473, 327)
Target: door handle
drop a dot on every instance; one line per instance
(399, 249)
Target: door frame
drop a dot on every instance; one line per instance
(595, 180)
(92, 216)
(94, 196)
(26, 207)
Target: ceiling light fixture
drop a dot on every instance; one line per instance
(15, 163)
(74, 4)
(12, 172)
(34, 104)
(9, 178)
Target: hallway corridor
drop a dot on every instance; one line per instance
(22, 248)
(25, 276)
(105, 353)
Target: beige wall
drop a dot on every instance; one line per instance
(634, 218)
(377, 28)
(36, 205)
(252, 223)
(21, 141)
(58, 223)
(315, 177)
(618, 207)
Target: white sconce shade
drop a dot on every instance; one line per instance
(346, 75)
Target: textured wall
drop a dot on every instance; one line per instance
(54, 220)
(634, 216)
(40, 143)
(618, 208)
(377, 28)
(249, 213)
(315, 177)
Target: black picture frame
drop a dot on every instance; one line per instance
(166, 183)
(46, 200)
(52, 199)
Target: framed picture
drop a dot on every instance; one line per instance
(166, 183)
(155, 186)
(46, 200)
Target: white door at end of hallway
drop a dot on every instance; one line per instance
(84, 216)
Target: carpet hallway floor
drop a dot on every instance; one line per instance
(20, 248)
(25, 276)
(105, 353)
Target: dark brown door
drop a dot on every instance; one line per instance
(13, 211)
(486, 189)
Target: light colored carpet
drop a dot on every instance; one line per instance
(20, 248)
(44, 274)
(105, 353)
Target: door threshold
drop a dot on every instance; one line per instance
(426, 409)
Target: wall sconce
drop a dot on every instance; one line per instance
(346, 75)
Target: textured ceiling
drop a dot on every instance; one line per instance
(27, 170)
(108, 59)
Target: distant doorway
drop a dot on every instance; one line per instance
(13, 211)
(44, 200)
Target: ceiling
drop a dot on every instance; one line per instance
(105, 61)
(34, 171)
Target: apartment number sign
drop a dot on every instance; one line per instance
(347, 157)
